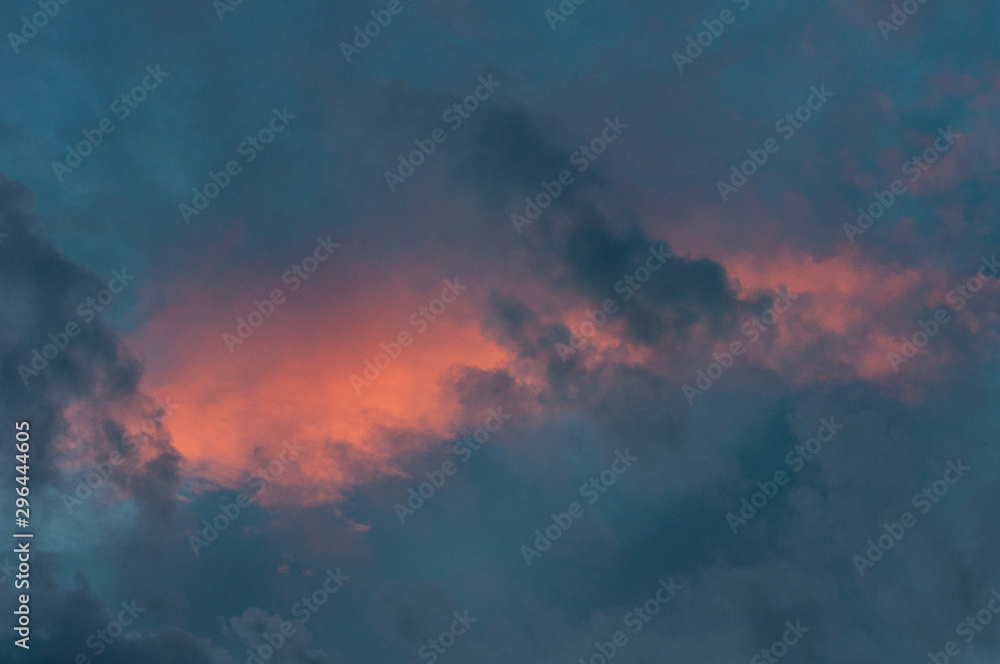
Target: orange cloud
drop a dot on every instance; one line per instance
(291, 380)
(842, 328)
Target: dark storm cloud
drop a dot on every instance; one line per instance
(69, 621)
(42, 291)
(578, 244)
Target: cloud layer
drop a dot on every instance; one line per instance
(410, 385)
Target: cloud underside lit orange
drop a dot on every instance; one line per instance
(292, 378)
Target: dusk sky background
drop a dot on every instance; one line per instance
(216, 415)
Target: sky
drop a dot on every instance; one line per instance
(439, 331)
